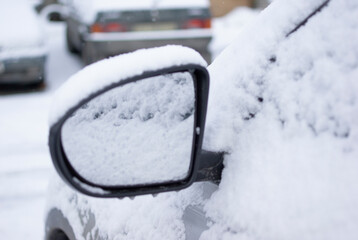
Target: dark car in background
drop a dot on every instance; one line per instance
(22, 45)
(98, 29)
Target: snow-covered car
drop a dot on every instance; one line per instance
(279, 157)
(22, 45)
(101, 28)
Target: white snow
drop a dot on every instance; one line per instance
(142, 217)
(25, 164)
(290, 126)
(112, 70)
(21, 32)
(225, 29)
(99, 137)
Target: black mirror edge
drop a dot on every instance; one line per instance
(200, 170)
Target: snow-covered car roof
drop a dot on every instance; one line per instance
(88, 9)
(19, 25)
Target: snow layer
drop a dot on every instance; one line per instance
(25, 162)
(226, 28)
(286, 110)
(88, 9)
(145, 217)
(104, 73)
(138, 133)
(20, 28)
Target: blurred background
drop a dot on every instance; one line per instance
(42, 43)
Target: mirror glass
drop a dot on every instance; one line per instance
(137, 133)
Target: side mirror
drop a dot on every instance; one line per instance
(55, 17)
(130, 132)
(54, 13)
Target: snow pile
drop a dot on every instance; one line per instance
(225, 29)
(115, 138)
(104, 73)
(21, 31)
(88, 9)
(145, 217)
(286, 110)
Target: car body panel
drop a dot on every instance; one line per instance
(102, 45)
(25, 70)
(76, 215)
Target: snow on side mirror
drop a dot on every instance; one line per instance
(139, 133)
(134, 124)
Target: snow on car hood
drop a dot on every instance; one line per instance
(285, 109)
(88, 9)
(103, 73)
(19, 26)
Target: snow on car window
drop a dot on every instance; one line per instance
(139, 133)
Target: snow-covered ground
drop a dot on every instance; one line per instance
(25, 164)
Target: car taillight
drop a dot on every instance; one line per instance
(197, 23)
(96, 28)
(107, 27)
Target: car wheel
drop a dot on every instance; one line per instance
(58, 227)
(58, 235)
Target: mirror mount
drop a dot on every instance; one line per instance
(210, 166)
(53, 12)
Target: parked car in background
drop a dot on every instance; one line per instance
(282, 108)
(97, 29)
(22, 45)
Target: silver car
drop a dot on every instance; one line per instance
(98, 29)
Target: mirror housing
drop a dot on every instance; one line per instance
(89, 85)
(53, 12)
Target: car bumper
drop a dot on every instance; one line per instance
(24, 70)
(102, 45)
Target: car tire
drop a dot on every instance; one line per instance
(58, 235)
